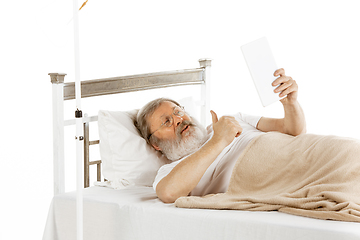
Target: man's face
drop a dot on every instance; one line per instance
(183, 137)
(161, 115)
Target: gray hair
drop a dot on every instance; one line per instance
(145, 112)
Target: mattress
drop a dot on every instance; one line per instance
(136, 213)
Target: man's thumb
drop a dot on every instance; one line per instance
(214, 117)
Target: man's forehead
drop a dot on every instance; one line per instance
(164, 109)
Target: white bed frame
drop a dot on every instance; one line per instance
(62, 91)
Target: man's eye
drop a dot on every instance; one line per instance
(179, 112)
(167, 122)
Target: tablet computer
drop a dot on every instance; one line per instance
(262, 65)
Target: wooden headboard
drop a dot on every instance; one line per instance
(62, 91)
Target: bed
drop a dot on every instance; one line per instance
(125, 206)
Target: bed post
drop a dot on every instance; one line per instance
(57, 80)
(86, 154)
(205, 92)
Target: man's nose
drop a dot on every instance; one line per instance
(177, 120)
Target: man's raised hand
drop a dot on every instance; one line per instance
(225, 129)
(287, 87)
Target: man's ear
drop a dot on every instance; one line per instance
(156, 147)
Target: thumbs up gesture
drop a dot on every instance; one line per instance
(225, 129)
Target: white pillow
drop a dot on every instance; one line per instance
(126, 157)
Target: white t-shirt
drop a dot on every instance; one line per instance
(217, 176)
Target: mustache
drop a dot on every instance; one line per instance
(182, 125)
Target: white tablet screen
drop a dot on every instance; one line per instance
(262, 66)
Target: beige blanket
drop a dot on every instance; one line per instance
(308, 175)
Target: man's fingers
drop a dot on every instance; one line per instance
(280, 72)
(284, 86)
(281, 80)
(214, 117)
(291, 89)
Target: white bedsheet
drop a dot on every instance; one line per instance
(136, 213)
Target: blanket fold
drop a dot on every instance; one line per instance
(308, 175)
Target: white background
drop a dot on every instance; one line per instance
(317, 42)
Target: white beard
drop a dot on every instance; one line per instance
(184, 145)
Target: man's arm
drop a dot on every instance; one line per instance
(293, 122)
(187, 174)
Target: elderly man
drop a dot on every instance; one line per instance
(202, 160)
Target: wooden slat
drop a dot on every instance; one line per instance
(95, 162)
(94, 142)
(106, 86)
(98, 177)
(86, 156)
